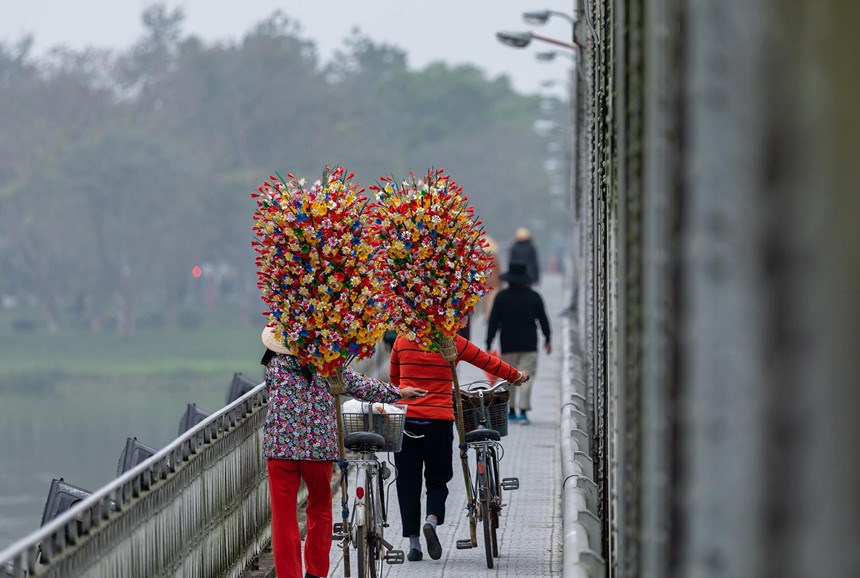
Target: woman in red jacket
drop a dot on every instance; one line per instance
(427, 443)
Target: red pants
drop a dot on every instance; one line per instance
(284, 478)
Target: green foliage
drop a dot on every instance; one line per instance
(116, 178)
(215, 349)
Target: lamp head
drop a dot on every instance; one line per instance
(515, 39)
(539, 17)
(546, 55)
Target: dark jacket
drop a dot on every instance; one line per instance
(517, 312)
(525, 252)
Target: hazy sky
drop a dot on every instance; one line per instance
(455, 31)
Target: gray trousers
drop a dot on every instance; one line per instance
(521, 395)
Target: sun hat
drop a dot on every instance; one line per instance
(271, 342)
(517, 274)
(492, 247)
(522, 234)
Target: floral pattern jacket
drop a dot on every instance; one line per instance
(301, 423)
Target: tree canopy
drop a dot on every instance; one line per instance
(120, 171)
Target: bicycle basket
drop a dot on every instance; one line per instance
(388, 425)
(497, 411)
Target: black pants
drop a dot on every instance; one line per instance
(432, 456)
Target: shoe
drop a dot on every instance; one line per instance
(415, 555)
(512, 416)
(523, 419)
(434, 548)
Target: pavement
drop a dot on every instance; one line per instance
(530, 528)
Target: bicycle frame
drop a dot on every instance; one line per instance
(363, 528)
(486, 501)
(364, 494)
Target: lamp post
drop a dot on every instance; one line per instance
(523, 39)
(551, 54)
(541, 16)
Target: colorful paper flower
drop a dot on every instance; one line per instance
(316, 256)
(434, 258)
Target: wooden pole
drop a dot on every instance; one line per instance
(449, 351)
(336, 388)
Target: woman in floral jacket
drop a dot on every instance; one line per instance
(300, 442)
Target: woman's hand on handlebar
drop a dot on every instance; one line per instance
(522, 377)
(412, 392)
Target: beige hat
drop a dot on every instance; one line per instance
(271, 342)
(522, 234)
(492, 247)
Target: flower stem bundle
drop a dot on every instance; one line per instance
(315, 254)
(433, 249)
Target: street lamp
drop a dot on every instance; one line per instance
(541, 16)
(61, 497)
(135, 453)
(522, 39)
(240, 385)
(192, 416)
(551, 54)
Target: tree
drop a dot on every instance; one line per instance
(118, 173)
(138, 221)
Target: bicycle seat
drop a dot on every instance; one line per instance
(364, 440)
(482, 434)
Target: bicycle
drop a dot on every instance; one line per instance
(484, 428)
(363, 529)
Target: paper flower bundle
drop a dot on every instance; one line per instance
(315, 261)
(435, 261)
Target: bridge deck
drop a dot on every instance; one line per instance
(530, 533)
(530, 529)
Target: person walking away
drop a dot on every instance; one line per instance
(517, 312)
(300, 443)
(429, 433)
(524, 251)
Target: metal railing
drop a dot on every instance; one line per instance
(199, 507)
(582, 531)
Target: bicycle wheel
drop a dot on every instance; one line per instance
(365, 540)
(488, 528)
(368, 558)
(483, 497)
(375, 527)
(363, 552)
(495, 500)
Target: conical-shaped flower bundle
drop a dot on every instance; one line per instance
(315, 267)
(435, 263)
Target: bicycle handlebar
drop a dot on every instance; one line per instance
(484, 386)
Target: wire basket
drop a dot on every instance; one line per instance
(497, 417)
(388, 425)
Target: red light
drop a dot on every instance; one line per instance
(197, 271)
(359, 492)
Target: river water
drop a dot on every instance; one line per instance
(78, 434)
